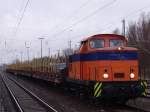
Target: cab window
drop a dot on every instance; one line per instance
(116, 43)
(97, 43)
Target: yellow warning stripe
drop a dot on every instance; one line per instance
(97, 89)
(96, 85)
(144, 84)
(99, 93)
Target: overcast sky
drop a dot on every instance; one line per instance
(59, 21)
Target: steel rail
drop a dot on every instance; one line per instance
(12, 96)
(50, 108)
(138, 109)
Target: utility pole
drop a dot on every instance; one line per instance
(70, 44)
(58, 56)
(21, 57)
(58, 51)
(41, 46)
(28, 55)
(16, 58)
(70, 47)
(123, 28)
(41, 52)
(16, 62)
(48, 58)
(49, 52)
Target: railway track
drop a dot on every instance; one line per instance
(145, 98)
(25, 100)
(136, 108)
(133, 108)
(113, 108)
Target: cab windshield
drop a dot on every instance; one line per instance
(97, 43)
(116, 43)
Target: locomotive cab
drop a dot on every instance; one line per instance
(107, 58)
(107, 62)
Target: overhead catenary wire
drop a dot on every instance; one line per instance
(129, 15)
(21, 17)
(19, 21)
(125, 17)
(110, 24)
(75, 11)
(70, 17)
(86, 17)
(19, 12)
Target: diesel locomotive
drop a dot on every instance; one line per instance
(103, 67)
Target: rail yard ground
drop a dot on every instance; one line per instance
(63, 100)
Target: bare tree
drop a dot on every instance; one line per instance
(116, 31)
(138, 34)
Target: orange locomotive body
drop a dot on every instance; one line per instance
(104, 58)
(105, 62)
(103, 67)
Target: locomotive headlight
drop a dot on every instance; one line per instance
(119, 48)
(132, 75)
(105, 75)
